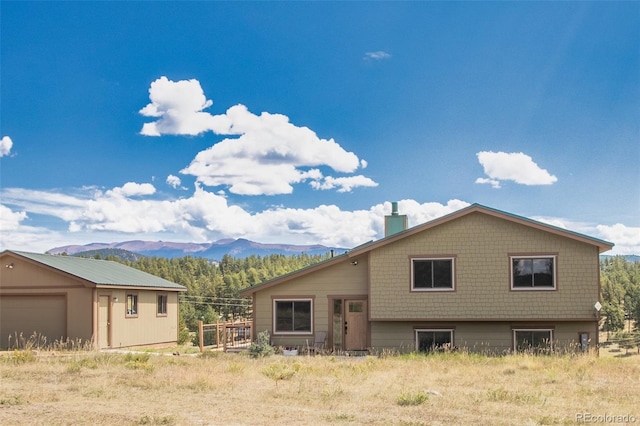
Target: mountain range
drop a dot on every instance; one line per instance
(239, 248)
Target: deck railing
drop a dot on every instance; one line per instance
(225, 335)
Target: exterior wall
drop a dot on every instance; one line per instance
(147, 328)
(340, 279)
(28, 279)
(482, 245)
(477, 337)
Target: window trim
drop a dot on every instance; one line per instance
(452, 258)
(135, 304)
(292, 299)
(165, 296)
(530, 329)
(553, 257)
(416, 331)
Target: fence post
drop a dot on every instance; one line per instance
(201, 336)
(217, 333)
(224, 336)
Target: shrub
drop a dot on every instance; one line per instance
(261, 347)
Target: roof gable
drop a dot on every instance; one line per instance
(100, 272)
(474, 208)
(478, 208)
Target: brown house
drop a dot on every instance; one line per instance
(103, 302)
(479, 279)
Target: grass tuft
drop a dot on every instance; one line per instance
(411, 398)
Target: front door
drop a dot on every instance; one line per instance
(104, 322)
(355, 325)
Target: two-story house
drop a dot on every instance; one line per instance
(479, 279)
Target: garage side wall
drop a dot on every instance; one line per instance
(147, 326)
(35, 300)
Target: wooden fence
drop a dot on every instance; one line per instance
(233, 335)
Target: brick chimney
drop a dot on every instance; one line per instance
(394, 223)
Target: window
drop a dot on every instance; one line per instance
(536, 340)
(432, 274)
(162, 305)
(292, 316)
(433, 340)
(533, 273)
(132, 305)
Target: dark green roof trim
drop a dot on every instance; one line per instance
(101, 272)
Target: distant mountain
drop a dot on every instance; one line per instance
(109, 252)
(239, 248)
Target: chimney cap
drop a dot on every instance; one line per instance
(394, 208)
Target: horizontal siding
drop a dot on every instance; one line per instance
(484, 337)
(147, 328)
(340, 279)
(481, 245)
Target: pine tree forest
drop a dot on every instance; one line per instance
(213, 287)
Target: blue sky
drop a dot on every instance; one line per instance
(301, 122)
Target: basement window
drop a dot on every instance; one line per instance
(132, 305)
(533, 340)
(433, 340)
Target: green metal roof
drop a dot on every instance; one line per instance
(101, 272)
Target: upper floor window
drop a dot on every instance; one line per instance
(292, 316)
(132, 305)
(432, 274)
(162, 305)
(533, 272)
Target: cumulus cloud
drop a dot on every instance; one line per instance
(265, 154)
(179, 106)
(344, 184)
(174, 181)
(626, 238)
(377, 56)
(132, 189)
(10, 220)
(5, 146)
(204, 216)
(512, 166)
(91, 214)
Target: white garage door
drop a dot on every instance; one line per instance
(44, 315)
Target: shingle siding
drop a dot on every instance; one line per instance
(481, 245)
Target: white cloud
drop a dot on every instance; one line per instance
(377, 56)
(512, 166)
(344, 184)
(179, 106)
(626, 238)
(131, 189)
(269, 156)
(10, 220)
(267, 153)
(5, 146)
(92, 215)
(174, 181)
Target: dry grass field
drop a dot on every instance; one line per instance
(234, 389)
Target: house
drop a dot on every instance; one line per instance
(104, 302)
(479, 278)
